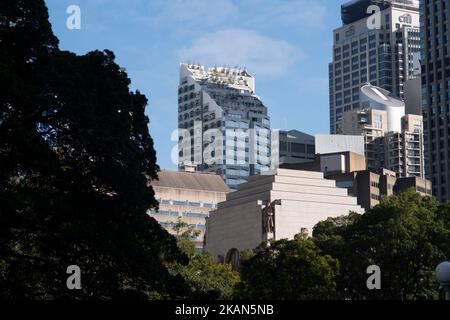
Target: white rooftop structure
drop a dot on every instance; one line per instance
(231, 77)
(332, 143)
(381, 99)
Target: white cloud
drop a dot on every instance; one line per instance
(261, 55)
(194, 13)
(297, 13)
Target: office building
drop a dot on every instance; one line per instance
(435, 59)
(371, 124)
(405, 150)
(291, 146)
(384, 54)
(189, 196)
(275, 207)
(223, 126)
(349, 171)
(393, 139)
(370, 186)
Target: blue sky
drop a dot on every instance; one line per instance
(285, 44)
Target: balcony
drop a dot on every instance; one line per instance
(413, 155)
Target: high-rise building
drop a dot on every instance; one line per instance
(223, 125)
(382, 50)
(435, 93)
(393, 140)
(372, 125)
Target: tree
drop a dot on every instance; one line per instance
(206, 279)
(76, 159)
(406, 236)
(288, 270)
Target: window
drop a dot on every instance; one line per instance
(375, 197)
(344, 184)
(195, 215)
(311, 149)
(298, 147)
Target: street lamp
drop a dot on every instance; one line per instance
(443, 276)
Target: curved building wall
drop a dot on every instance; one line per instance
(380, 99)
(394, 117)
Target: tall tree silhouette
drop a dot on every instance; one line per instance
(76, 159)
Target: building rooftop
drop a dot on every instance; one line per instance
(190, 180)
(357, 9)
(232, 77)
(381, 96)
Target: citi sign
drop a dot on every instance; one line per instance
(406, 18)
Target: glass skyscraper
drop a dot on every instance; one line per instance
(382, 49)
(223, 125)
(436, 93)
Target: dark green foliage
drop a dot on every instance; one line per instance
(75, 161)
(407, 236)
(288, 270)
(206, 279)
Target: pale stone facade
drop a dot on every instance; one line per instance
(189, 196)
(306, 198)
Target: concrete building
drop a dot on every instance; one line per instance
(369, 123)
(329, 143)
(372, 125)
(223, 126)
(405, 150)
(363, 51)
(189, 196)
(392, 139)
(368, 186)
(422, 186)
(291, 146)
(435, 57)
(276, 207)
(331, 163)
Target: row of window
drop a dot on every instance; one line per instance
(169, 213)
(185, 89)
(297, 147)
(187, 203)
(170, 224)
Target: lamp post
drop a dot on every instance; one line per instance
(443, 276)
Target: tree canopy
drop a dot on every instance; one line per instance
(205, 278)
(407, 236)
(288, 270)
(76, 159)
